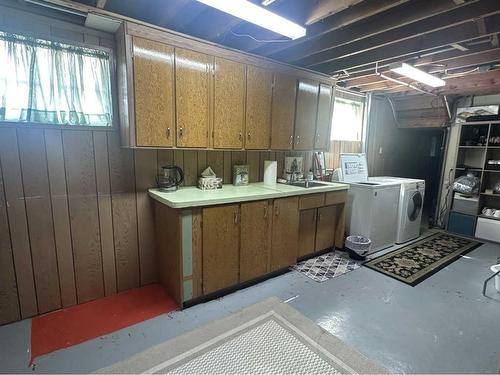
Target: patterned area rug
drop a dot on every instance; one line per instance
(326, 266)
(414, 263)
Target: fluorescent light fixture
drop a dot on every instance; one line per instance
(418, 75)
(259, 16)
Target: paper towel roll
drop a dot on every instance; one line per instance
(270, 172)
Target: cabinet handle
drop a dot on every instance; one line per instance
(317, 138)
(181, 132)
(291, 139)
(248, 135)
(277, 210)
(235, 217)
(298, 140)
(240, 136)
(314, 217)
(319, 217)
(168, 132)
(265, 212)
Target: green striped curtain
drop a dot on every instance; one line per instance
(53, 83)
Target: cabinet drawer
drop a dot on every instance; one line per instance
(311, 201)
(488, 229)
(335, 197)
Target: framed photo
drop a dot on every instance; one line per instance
(240, 175)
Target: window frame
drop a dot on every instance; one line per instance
(113, 77)
(363, 114)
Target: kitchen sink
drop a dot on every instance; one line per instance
(306, 184)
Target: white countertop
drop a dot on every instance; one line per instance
(191, 196)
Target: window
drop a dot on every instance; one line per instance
(347, 119)
(53, 83)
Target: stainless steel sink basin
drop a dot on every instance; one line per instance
(306, 184)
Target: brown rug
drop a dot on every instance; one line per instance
(414, 263)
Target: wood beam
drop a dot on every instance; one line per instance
(381, 23)
(471, 84)
(466, 61)
(412, 47)
(442, 21)
(325, 8)
(436, 56)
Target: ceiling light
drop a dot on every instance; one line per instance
(267, 2)
(418, 75)
(255, 14)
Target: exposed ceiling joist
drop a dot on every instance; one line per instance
(321, 48)
(414, 46)
(436, 23)
(337, 21)
(325, 8)
(464, 62)
(471, 84)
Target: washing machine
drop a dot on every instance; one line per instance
(372, 205)
(411, 203)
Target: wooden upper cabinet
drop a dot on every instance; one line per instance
(153, 93)
(221, 238)
(229, 109)
(324, 118)
(285, 236)
(283, 112)
(305, 115)
(258, 108)
(192, 88)
(255, 239)
(326, 226)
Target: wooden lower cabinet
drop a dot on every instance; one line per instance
(285, 236)
(255, 246)
(325, 227)
(307, 232)
(221, 238)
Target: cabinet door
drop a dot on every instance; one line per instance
(255, 239)
(221, 240)
(192, 87)
(325, 227)
(258, 108)
(229, 102)
(285, 236)
(324, 119)
(305, 116)
(283, 112)
(307, 231)
(153, 93)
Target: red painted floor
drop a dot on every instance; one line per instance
(64, 328)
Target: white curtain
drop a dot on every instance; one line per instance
(53, 83)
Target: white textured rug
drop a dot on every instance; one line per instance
(266, 338)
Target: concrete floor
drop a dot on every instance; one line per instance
(443, 325)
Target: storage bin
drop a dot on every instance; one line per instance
(461, 224)
(488, 229)
(465, 205)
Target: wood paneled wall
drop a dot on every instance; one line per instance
(76, 222)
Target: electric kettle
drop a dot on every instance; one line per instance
(169, 178)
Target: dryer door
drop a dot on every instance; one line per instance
(415, 203)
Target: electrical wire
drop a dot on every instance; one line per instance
(444, 207)
(260, 40)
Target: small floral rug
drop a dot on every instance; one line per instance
(326, 266)
(414, 263)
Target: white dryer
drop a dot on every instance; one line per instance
(411, 203)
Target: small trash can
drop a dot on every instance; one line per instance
(358, 246)
(495, 269)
